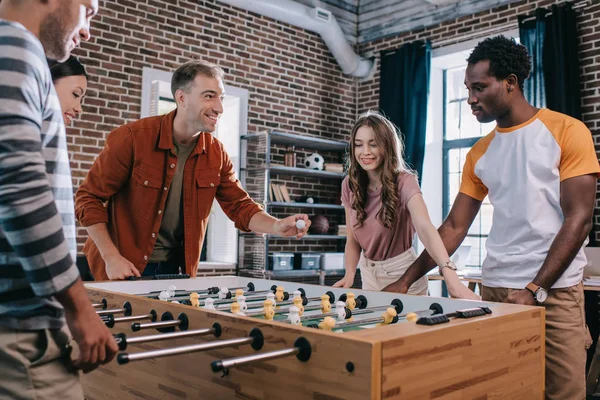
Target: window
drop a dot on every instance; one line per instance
(221, 242)
(461, 132)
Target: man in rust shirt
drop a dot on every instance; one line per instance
(146, 200)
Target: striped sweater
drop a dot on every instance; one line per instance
(37, 223)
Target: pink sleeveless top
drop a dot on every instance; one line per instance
(377, 242)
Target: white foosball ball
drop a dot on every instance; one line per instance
(234, 337)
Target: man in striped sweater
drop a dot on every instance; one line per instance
(40, 287)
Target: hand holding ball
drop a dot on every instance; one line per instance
(300, 224)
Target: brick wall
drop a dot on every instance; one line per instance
(294, 83)
(454, 31)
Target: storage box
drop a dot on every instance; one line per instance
(330, 261)
(281, 261)
(308, 260)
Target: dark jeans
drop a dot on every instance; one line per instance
(173, 265)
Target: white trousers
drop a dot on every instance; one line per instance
(378, 274)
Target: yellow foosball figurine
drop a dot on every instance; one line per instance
(325, 304)
(269, 310)
(194, 299)
(298, 303)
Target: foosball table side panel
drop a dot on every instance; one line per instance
(189, 376)
(500, 356)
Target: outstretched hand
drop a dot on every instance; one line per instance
(294, 225)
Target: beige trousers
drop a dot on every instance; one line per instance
(33, 365)
(378, 274)
(567, 339)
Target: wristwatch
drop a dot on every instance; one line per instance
(539, 293)
(450, 264)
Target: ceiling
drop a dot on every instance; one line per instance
(367, 20)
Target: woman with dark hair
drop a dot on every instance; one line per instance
(384, 207)
(70, 82)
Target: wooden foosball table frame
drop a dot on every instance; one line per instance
(500, 355)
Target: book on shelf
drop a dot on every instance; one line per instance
(342, 230)
(334, 167)
(279, 193)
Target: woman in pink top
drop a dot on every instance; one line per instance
(384, 208)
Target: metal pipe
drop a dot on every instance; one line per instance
(124, 358)
(123, 341)
(271, 355)
(125, 310)
(302, 350)
(255, 339)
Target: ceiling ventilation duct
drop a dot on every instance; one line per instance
(316, 20)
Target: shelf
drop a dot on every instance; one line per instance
(306, 205)
(280, 169)
(294, 273)
(302, 141)
(307, 237)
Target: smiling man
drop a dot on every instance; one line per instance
(539, 169)
(160, 176)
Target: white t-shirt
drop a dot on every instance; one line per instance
(521, 169)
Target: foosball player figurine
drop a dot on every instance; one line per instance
(279, 293)
(388, 316)
(298, 303)
(325, 304)
(241, 300)
(209, 304)
(194, 300)
(294, 316)
(235, 309)
(269, 309)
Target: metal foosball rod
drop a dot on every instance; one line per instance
(302, 350)
(167, 323)
(110, 322)
(103, 304)
(353, 302)
(255, 339)
(434, 309)
(396, 304)
(126, 310)
(297, 302)
(277, 292)
(123, 340)
(212, 290)
(387, 318)
(343, 313)
(312, 299)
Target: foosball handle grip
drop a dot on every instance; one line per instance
(216, 366)
(121, 340)
(433, 319)
(473, 312)
(123, 358)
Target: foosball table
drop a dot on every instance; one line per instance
(235, 337)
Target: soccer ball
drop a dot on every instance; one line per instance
(314, 161)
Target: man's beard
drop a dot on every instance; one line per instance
(54, 32)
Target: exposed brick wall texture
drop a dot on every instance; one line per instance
(295, 85)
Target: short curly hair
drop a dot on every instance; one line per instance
(506, 57)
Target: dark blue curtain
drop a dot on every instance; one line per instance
(403, 94)
(531, 34)
(561, 61)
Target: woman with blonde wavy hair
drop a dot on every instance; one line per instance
(384, 207)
